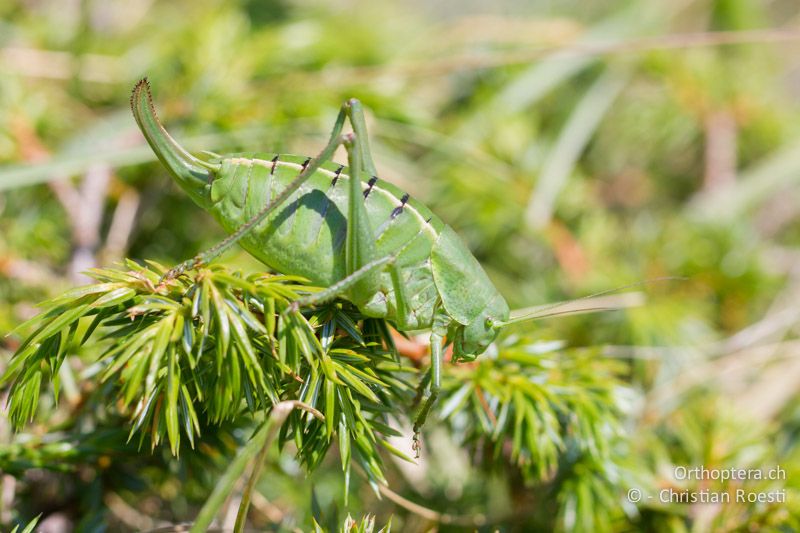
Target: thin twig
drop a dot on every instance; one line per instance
(84, 205)
(182, 528)
(122, 224)
(67, 195)
(742, 355)
(86, 218)
(28, 272)
(50, 64)
(266, 508)
(429, 514)
(720, 150)
(129, 515)
(485, 406)
(8, 487)
(627, 46)
(232, 512)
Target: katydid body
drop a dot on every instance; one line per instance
(306, 236)
(343, 228)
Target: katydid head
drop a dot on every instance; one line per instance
(474, 338)
(191, 173)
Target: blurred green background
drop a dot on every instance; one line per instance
(576, 147)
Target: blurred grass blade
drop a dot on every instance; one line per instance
(574, 137)
(771, 176)
(261, 439)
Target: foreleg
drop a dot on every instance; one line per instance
(441, 321)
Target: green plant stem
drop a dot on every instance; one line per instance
(257, 447)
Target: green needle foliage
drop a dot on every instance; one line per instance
(541, 400)
(28, 528)
(180, 359)
(201, 350)
(556, 414)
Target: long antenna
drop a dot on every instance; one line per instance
(591, 303)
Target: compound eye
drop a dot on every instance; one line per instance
(489, 322)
